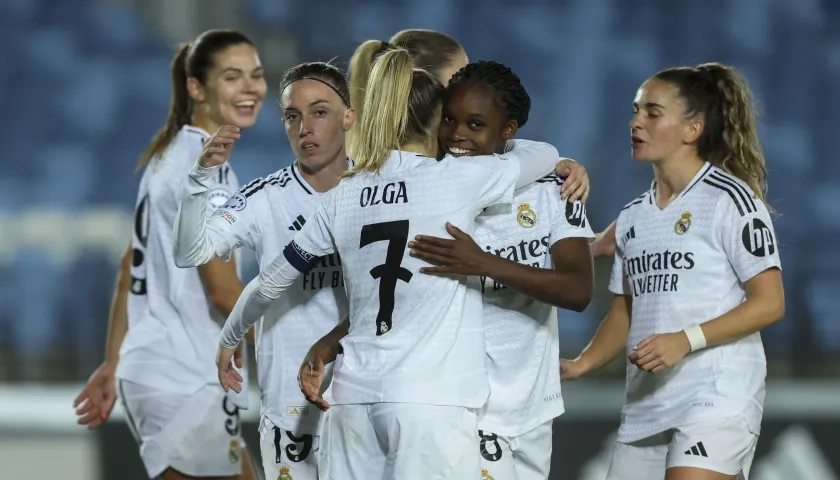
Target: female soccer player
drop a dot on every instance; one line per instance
(539, 247)
(413, 365)
(265, 215)
(186, 426)
(534, 256)
(696, 277)
(435, 52)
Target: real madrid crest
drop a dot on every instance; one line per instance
(683, 223)
(284, 473)
(233, 452)
(485, 475)
(525, 216)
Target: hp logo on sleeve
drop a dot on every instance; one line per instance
(758, 239)
(576, 214)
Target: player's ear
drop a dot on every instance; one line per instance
(510, 130)
(693, 129)
(349, 119)
(196, 90)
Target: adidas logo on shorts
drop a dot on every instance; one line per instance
(698, 450)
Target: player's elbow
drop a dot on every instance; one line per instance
(183, 261)
(775, 310)
(580, 300)
(187, 258)
(574, 296)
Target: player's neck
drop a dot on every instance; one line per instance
(204, 122)
(325, 177)
(673, 176)
(422, 149)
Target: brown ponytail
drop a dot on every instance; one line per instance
(743, 156)
(730, 135)
(179, 109)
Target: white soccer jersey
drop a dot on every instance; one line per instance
(413, 338)
(523, 351)
(173, 329)
(684, 265)
(265, 215)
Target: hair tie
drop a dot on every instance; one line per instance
(706, 72)
(382, 48)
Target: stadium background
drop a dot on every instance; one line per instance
(85, 83)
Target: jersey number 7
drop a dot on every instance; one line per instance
(396, 234)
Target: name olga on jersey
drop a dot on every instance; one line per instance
(528, 252)
(656, 272)
(388, 194)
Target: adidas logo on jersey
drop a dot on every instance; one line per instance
(697, 450)
(298, 223)
(643, 271)
(630, 234)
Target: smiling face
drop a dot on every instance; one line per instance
(474, 122)
(234, 89)
(316, 121)
(659, 129)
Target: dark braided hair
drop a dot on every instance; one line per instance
(512, 95)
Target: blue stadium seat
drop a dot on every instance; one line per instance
(68, 175)
(37, 290)
(824, 303)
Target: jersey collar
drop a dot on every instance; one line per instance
(302, 181)
(400, 160)
(705, 169)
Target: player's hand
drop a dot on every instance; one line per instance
(311, 375)
(459, 255)
(217, 148)
(95, 402)
(576, 180)
(572, 369)
(660, 351)
(604, 244)
(229, 378)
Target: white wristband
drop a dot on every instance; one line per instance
(696, 338)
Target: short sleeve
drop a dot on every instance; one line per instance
(748, 236)
(619, 283)
(314, 240)
(569, 218)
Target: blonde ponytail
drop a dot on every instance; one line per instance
(383, 122)
(359, 72)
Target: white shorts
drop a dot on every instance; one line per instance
(523, 457)
(399, 441)
(286, 455)
(725, 446)
(197, 435)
